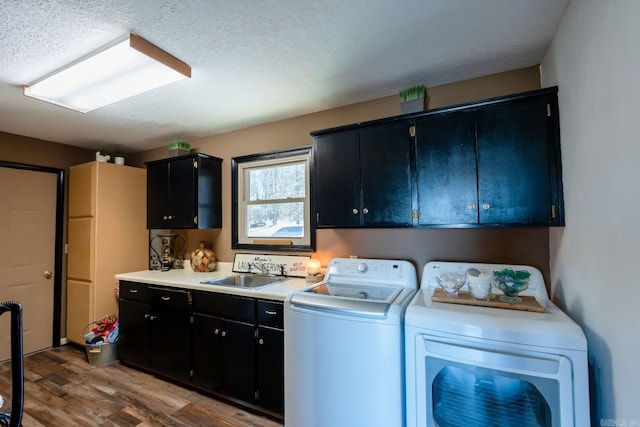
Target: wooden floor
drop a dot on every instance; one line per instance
(63, 389)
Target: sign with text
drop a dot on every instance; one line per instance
(288, 265)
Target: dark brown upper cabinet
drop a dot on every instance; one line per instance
(490, 163)
(184, 192)
(363, 177)
(495, 164)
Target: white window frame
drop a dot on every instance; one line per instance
(240, 187)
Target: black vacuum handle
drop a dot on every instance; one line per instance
(17, 365)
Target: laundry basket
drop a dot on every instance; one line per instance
(101, 341)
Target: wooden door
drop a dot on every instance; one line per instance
(446, 169)
(27, 254)
(271, 368)
(337, 179)
(157, 195)
(134, 342)
(514, 178)
(385, 168)
(238, 371)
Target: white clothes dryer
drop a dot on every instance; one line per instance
(479, 365)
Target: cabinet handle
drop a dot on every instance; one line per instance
(355, 211)
(168, 217)
(261, 341)
(223, 334)
(365, 211)
(471, 206)
(133, 291)
(166, 298)
(270, 312)
(486, 206)
(150, 317)
(216, 331)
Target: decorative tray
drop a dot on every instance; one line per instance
(529, 303)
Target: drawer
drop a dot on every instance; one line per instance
(133, 291)
(270, 314)
(224, 305)
(167, 298)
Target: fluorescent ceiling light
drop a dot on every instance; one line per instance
(122, 70)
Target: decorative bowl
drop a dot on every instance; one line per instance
(451, 283)
(511, 283)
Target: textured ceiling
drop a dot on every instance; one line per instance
(257, 61)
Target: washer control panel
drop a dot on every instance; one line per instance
(398, 272)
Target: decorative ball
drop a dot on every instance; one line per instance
(203, 260)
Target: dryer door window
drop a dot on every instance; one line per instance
(471, 383)
(467, 395)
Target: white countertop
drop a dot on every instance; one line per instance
(189, 279)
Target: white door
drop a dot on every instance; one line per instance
(27, 254)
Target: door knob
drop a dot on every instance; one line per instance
(47, 274)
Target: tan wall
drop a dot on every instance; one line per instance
(21, 149)
(512, 245)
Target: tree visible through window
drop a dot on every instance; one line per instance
(272, 200)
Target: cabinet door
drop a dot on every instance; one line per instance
(170, 343)
(171, 194)
(182, 192)
(446, 169)
(514, 180)
(157, 195)
(271, 369)
(133, 342)
(209, 192)
(224, 356)
(385, 175)
(337, 179)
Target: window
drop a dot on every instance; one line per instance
(272, 201)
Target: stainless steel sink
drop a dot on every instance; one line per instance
(244, 280)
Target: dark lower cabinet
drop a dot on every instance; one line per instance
(133, 344)
(155, 329)
(270, 336)
(271, 368)
(170, 332)
(229, 345)
(224, 358)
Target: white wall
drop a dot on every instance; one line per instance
(595, 260)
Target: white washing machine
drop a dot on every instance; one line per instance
(472, 365)
(344, 348)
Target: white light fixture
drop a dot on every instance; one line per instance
(122, 70)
